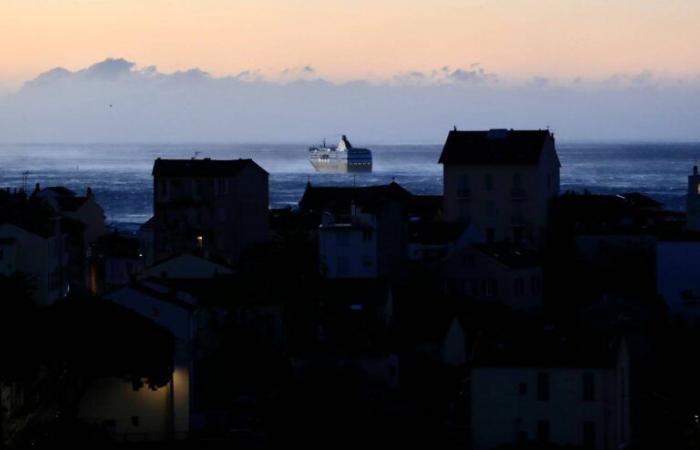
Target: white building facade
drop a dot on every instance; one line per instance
(580, 406)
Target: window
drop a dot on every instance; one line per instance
(163, 189)
(343, 265)
(463, 186)
(517, 181)
(518, 234)
(623, 406)
(534, 285)
(491, 287)
(464, 210)
(342, 239)
(490, 235)
(543, 386)
(588, 387)
(488, 182)
(222, 186)
(490, 208)
(366, 235)
(589, 434)
(367, 261)
(518, 287)
(522, 389)
(135, 421)
(196, 188)
(543, 430)
(520, 434)
(221, 214)
(468, 260)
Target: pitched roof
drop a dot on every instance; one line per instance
(547, 348)
(117, 245)
(201, 167)
(71, 203)
(494, 147)
(339, 198)
(435, 233)
(60, 190)
(150, 224)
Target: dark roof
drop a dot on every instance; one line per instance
(201, 167)
(150, 224)
(117, 245)
(75, 229)
(348, 291)
(427, 207)
(494, 147)
(630, 213)
(155, 289)
(435, 233)
(219, 290)
(197, 254)
(27, 213)
(71, 203)
(339, 198)
(547, 348)
(60, 190)
(642, 201)
(509, 255)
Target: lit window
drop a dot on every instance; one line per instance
(200, 241)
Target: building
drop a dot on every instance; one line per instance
(501, 181)
(354, 323)
(435, 241)
(500, 273)
(555, 391)
(114, 261)
(83, 221)
(348, 247)
(83, 209)
(146, 414)
(214, 207)
(677, 278)
(33, 243)
(362, 229)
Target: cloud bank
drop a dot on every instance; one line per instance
(117, 101)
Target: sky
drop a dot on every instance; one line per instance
(591, 69)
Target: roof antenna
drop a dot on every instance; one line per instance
(454, 128)
(25, 175)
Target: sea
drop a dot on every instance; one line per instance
(120, 174)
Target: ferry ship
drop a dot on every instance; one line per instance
(341, 158)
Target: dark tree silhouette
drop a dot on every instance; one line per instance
(56, 352)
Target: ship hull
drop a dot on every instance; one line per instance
(335, 166)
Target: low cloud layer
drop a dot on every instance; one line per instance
(117, 101)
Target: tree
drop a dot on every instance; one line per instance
(56, 352)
